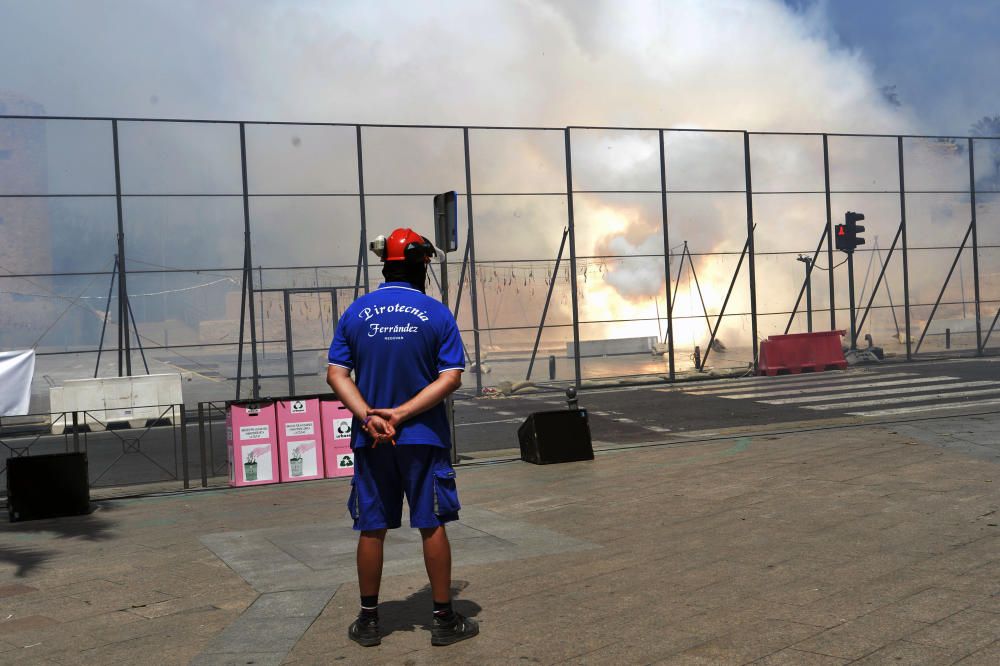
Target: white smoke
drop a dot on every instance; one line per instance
(727, 64)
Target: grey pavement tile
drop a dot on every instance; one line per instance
(140, 650)
(15, 589)
(749, 641)
(911, 654)
(967, 630)
(635, 648)
(931, 605)
(793, 657)
(858, 637)
(269, 568)
(987, 656)
(294, 603)
(27, 623)
(249, 634)
(989, 603)
(240, 659)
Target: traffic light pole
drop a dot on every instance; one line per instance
(850, 291)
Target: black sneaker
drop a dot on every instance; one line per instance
(453, 629)
(364, 632)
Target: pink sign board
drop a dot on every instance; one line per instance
(337, 429)
(251, 439)
(300, 439)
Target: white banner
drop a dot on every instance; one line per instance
(16, 370)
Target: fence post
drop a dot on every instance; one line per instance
(829, 231)
(664, 220)
(248, 264)
(975, 248)
(751, 267)
(184, 447)
(124, 340)
(572, 258)
(76, 432)
(201, 444)
(473, 285)
(906, 267)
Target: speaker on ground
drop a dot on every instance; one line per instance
(555, 437)
(47, 486)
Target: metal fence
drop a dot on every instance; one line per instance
(120, 454)
(226, 250)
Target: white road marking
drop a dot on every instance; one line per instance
(816, 381)
(877, 393)
(474, 423)
(927, 408)
(916, 398)
(822, 389)
(709, 384)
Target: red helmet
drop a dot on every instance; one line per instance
(407, 245)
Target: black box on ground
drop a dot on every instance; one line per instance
(47, 486)
(556, 437)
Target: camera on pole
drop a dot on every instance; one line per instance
(446, 221)
(847, 234)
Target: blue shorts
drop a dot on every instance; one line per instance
(384, 474)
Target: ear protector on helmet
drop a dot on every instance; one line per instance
(403, 245)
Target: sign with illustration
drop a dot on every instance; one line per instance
(251, 447)
(302, 459)
(257, 462)
(342, 428)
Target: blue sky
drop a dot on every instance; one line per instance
(942, 56)
(754, 64)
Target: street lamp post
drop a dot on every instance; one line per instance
(809, 300)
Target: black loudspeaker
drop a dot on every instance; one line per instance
(556, 437)
(47, 486)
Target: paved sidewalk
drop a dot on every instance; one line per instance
(858, 545)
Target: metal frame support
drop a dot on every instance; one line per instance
(545, 308)
(471, 248)
(289, 360)
(361, 200)
(124, 339)
(248, 267)
(751, 266)
(722, 312)
(107, 311)
(878, 282)
(829, 231)
(975, 247)
(664, 220)
(572, 258)
(906, 257)
(944, 286)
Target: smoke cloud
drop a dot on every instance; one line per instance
(681, 64)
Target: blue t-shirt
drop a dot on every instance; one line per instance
(397, 340)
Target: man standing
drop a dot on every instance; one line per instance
(407, 357)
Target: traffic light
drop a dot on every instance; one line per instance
(847, 233)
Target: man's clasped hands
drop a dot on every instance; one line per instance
(381, 424)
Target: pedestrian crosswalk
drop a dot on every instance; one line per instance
(863, 393)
